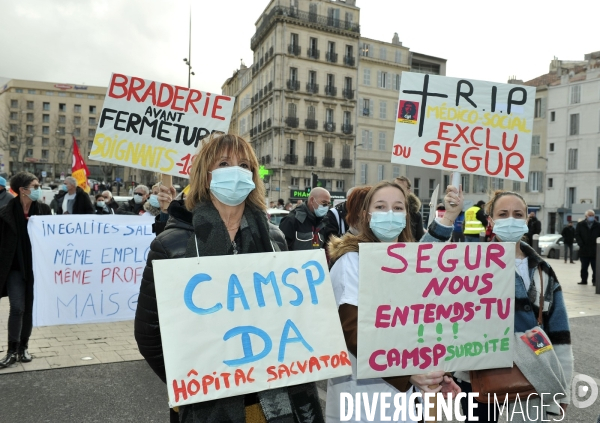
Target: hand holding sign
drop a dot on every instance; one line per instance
(166, 194)
(453, 201)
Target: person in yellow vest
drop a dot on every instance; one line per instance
(475, 222)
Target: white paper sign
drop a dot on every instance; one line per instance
(435, 306)
(156, 126)
(464, 125)
(231, 325)
(87, 268)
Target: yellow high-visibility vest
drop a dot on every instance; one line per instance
(472, 225)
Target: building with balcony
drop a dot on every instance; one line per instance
(38, 121)
(573, 141)
(380, 67)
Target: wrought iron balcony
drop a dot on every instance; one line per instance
(311, 123)
(346, 164)
(313, 53)
(312, 88)
(294, 49)
(329, 162)
(330, 90)
(292, 122)
(332, 57)
(347, 128)
(310, 160)
(291, 159)
(349, 60)
(293, 84)
(329, 126)
(348, 94)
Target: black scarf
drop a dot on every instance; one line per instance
(23, 253)
(278, 405)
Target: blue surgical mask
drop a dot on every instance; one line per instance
(35, 194)
(591, 218)
(321, 210)
(138, 198)
(510, 229)
(231, 185)
(154, 201)
(100, 203)
(387, 225)
(63, 187)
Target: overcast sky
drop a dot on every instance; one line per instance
(83, 41)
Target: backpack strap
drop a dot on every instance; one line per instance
(539, 319)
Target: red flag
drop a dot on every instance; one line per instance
(79, 169)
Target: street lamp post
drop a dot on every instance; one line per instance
(188, 60)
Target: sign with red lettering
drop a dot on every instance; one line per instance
(232, 325)
(82, 281)
(464, 125)
(156, 126)
(435, 306)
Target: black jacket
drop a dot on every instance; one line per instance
(535, 228)
(586, 238)
(332, 228)
(82, 204)
(277, 237)
(300, 227)
(169, 244)
(113, 205)
(416, 220)
(130, 208)
(56, 203)
(5, 197)
(100, 210)
(568, 234)
(9, 239)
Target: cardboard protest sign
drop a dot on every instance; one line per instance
(435, 306)
(231, 325)
(465, 125)
(156, 126)
(87, 268)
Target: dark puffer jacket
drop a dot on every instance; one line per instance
(169, 244)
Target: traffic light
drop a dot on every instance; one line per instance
(315, 179)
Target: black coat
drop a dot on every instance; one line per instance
(113, 205)
(535, 228)
(586, 238)
(130, 208)
(169, 244)
(416, 220)
(568, 234)
(299, 227)
(9, 239)
(82, 205)
(332, 227)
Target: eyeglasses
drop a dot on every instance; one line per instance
(32, 187)
(141, 194)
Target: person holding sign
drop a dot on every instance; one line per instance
(226, 215)
(384, 219)
(508, 214)
(16, 272)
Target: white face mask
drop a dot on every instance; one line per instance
(100, 203)
(510, 229)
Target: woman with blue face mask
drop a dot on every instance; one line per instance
(384, 218)
(152, 206)
(16, 271)
(224, 214)
(507, 215)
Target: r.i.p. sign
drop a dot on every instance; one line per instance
(464, 125)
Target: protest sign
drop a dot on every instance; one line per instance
(231, 325)
(156, 126)
(87, 268)
(465, 125)
(435, 306)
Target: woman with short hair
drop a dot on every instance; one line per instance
(16, 272)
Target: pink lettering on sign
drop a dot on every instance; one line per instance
(391, 253)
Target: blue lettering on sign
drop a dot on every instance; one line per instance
(249, 356)
(299, 296)
(313, 282)
(189, 292)
(285, 339)
(259, 280)
(234, 291)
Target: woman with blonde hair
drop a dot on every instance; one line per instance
(383, 218)
(225, 214)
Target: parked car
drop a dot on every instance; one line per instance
(275, 215)
(121, 199)
(553, 246)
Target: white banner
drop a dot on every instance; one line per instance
(435, 306)
(231, 325)
(87, 268)
(156, 126)
(464, 125)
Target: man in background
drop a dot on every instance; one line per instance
(76, 200)
(568, 234)
(535, 227)
(586, 233)
(475, 222)
(135, 206)
(110, 202)
(302, 226)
